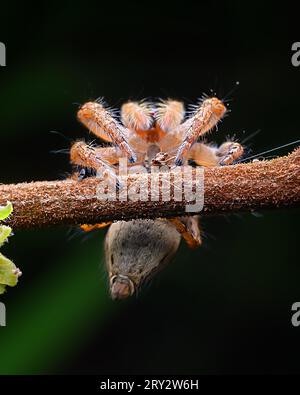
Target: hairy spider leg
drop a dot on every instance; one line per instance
(189, 228)
(229, 152)
(205, 118)
(82, 154)
(100, 122)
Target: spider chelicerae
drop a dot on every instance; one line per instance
(149, 133)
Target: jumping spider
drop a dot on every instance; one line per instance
(149, 134)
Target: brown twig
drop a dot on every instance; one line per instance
(243, 187)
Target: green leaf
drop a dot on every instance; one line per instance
(5, 211)
(5, 232)
(9, 273)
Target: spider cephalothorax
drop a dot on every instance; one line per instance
(149, 134)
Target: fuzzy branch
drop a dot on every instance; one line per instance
(243, 187)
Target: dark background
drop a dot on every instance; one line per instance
(225, 308)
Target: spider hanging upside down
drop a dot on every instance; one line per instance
(149, 133)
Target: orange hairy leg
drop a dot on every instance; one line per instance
(208, 156)
(100, 122)
(229, 152)
(189, 229)
(98, 159)
(89, 228)
(206, 117)
(84, 155)
(203, 155)
(108, 154)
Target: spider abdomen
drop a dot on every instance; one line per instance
(137, 249)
